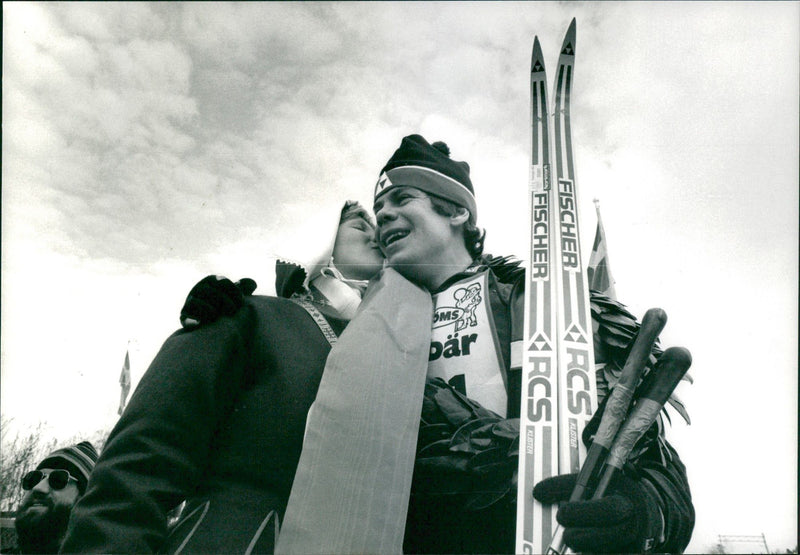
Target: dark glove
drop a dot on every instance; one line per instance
(214, 297)
(625, 520)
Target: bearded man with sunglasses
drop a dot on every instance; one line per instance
(51, 490)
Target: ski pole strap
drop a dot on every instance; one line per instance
(323, 324)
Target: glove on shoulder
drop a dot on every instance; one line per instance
(625, 520)
(214, 297)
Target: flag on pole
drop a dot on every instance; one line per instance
(599, 271)
(124, 382)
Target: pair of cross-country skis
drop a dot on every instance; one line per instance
(558, 373)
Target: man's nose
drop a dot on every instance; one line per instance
(43, 486)
(383, 214)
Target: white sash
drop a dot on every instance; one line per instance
(351, 488)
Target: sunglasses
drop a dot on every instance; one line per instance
(56, 479)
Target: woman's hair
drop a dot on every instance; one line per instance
(474, 236)
(351, 210)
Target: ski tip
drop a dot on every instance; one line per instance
(568, 46)
(537, 59)
(537, 48)
(572, 26)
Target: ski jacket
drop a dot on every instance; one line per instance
(217, 420)
(463, 497)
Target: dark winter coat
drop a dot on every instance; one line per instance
(218, 420)
(463, 498)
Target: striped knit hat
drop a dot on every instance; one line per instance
(78, 460)
(428, 167)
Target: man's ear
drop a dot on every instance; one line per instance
(460, 217)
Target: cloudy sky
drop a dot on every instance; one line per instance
(148, 145)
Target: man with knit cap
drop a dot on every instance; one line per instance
(51, 490)
(463, 492)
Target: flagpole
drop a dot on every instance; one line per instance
(596, 202)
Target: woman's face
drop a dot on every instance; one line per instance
(355, 251)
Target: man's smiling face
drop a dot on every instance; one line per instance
(410, 233)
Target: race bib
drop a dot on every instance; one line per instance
(465, 351)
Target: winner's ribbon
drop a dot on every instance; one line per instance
(351, 488)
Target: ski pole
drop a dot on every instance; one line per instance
(658, 386)
(616, 409)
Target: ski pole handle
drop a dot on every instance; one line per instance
(656, 389)
(620, 398)
(616, 409)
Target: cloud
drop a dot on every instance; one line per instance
(106, 22)
(101, 122)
